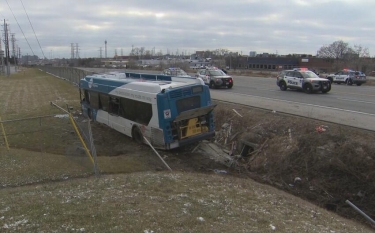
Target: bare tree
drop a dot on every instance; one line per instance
(355, 57)
(361, 51)
(336, 50)
(220, 52)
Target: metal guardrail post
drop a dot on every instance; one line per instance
(5, 137)
(360, 211)
(77, 131)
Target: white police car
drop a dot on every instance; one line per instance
(302, 79)
(349, 77)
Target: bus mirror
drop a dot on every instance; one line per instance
(163, 91)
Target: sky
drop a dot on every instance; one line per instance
(48, 28)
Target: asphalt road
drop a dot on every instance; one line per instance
(347, 105)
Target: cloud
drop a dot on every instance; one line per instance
(289, 26)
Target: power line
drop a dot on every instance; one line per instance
(20, 27)
(32, 28)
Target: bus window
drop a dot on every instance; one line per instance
(137, 111)
(114, 105)
(188, 103)
(104, 102)
(144, 113)
(94, 99)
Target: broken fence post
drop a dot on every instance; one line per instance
(170, 169)
(360, 211)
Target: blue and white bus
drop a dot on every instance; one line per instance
(169, 112)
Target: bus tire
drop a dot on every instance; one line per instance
(137, 135)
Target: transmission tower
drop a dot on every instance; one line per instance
(71, 50)
(14, 50)
(77, 51)
(100, 52)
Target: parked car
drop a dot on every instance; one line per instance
(177, 72)
(348, 77)
(215, 77)
(302, 79)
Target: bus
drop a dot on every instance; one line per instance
(168, 111)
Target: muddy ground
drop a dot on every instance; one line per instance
(321, 162)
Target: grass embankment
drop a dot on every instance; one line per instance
(163, 202)
(45, 149)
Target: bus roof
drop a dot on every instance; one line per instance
(153, 83)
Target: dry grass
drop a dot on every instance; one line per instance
(29, 93)
(333, 166)
(162, 202)
(142, 200)
(370, 82)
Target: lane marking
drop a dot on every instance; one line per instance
(359, 101)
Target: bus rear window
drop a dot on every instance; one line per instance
(188, 103)
(197, 89)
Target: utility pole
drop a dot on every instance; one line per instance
(14, 50)
(105, 42)
(1, 59)
(6, 43)
(19, 55)
(100, 52)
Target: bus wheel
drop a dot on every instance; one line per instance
(137, 135)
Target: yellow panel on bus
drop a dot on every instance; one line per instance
(193, 127)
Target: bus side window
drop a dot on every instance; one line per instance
(93, 99)
(114, 105)
(103, 102)
(87, 96)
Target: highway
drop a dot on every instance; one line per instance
(347, 105)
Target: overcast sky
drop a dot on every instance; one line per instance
(272, 26)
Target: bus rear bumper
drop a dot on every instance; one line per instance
(196, 138)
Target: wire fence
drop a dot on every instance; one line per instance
(71, 74)
(46, 148)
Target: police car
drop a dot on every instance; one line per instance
(302, 79)
(349, 77)
(215, 77)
